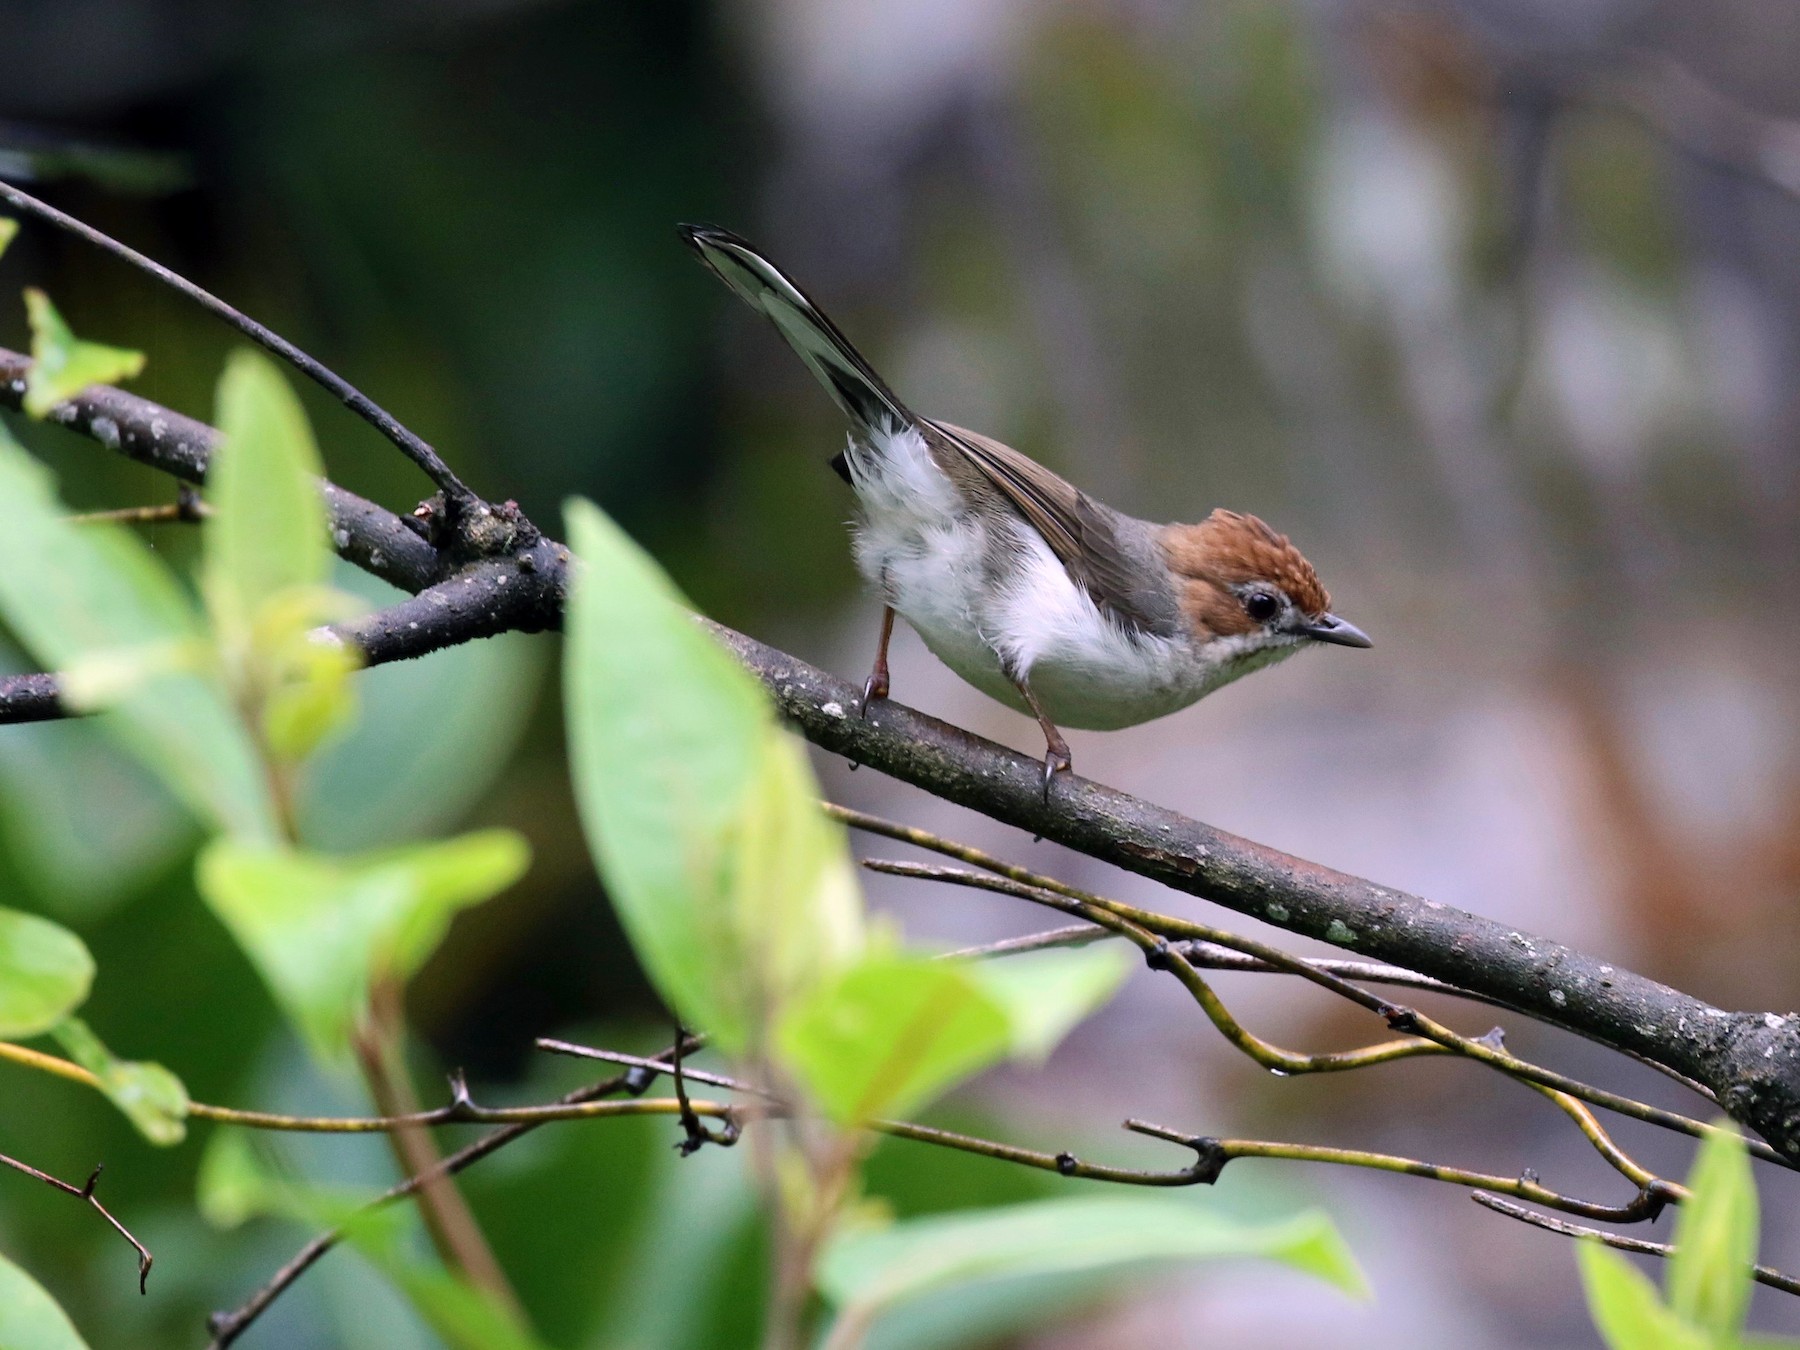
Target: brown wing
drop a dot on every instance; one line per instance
(1080, 532)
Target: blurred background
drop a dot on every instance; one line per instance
(1492, 304)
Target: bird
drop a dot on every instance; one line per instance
(1038, 595)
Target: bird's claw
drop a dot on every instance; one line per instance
(876, 686)
(1056, 760)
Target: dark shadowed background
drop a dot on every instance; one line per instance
(1492, 304)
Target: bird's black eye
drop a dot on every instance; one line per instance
(1261, 606)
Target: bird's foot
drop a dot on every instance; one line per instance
(1056, 760)
(876, 686)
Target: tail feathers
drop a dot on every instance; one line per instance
(859, 392)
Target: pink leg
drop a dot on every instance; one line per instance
(1056, 749)
(877, 684)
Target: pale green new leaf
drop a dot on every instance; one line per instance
(1046, 993)
(29, 1318)
(62, 365)
(268, 531)
(794, 897)
(84, 598)
(1626, 1308)
(152, 1098)
(889, 1033)
(45, 974)
(700, 814)
(320, 930)
(1708, 1283)
(867, 1273)
(9, 229)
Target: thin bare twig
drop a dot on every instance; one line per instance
(1768, 1275)
(86, 1192)
(1647, 1204)
(694, 1134)
(226, 1327)
(456, 493)
(190, 510)
(1213, 1153)
(1073, 935)
(1058, 895)
(1162, 956)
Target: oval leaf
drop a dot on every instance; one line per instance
(1715, 1238)
(701, 815)
(890, 1033)
(867, 1273)
(29, 1318)
(45, 974)
(1627, 1310)
(268, 530)
(93, 595)
(1046, 993)
(320, 930)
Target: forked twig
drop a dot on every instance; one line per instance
(86, 1192)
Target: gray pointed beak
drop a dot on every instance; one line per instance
(1330, 628)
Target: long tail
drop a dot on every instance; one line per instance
(852, 383)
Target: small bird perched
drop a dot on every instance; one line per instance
(1032, 591)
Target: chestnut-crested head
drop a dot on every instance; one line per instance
(1237, 578)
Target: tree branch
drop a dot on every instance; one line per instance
(386, 423)
(370, 536)
(1751, 1061)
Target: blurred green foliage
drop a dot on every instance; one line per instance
(1706, 1294)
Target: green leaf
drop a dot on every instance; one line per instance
(1046, 993)
(244, 1176)
(867, 1273)
(45, 974)
(93, 596)
(232, 1186)
(313, 698)
(701, 815)
(268, 531)
(82, 820)
(1626, 1308)
(432, 734)
(9, 229)
(29, 1318)
(152, 1098)
(61, 364)
(321, 930)
(464, 1317)
(794, 898)
(1709, 1277)
(891, 1032)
